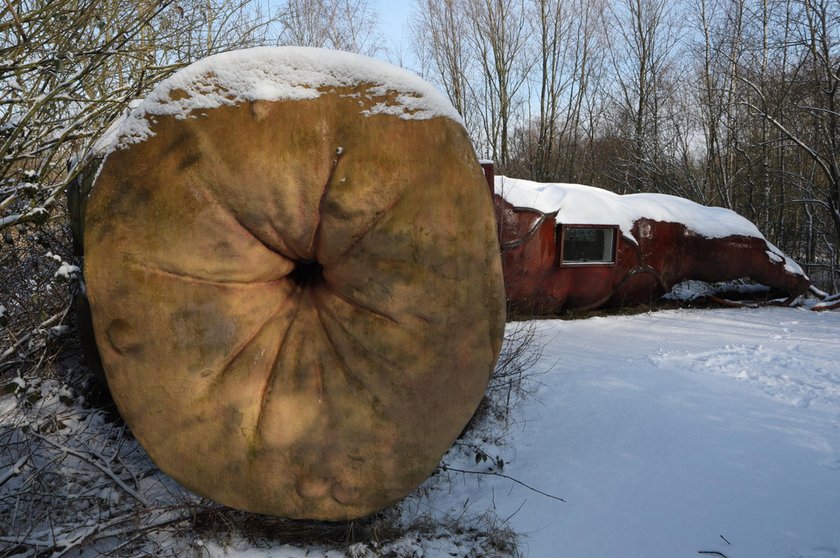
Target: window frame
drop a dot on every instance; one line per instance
(560, 233)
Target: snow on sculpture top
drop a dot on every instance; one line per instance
(578, 204)
(281, 73)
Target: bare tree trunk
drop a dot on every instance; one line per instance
(499, 36)
(643, 38)
(440, 31)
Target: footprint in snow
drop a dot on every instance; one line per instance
(791, 375)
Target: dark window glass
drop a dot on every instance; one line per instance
(588, 245)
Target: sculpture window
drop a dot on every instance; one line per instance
(587, 244)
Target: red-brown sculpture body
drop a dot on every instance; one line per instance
(647, 265)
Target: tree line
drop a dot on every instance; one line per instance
(731, 103)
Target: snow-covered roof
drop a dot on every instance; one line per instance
(588, 205)
(280, 73)
(578, 204)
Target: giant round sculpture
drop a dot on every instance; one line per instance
(294, 279)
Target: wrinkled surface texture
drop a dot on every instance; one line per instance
(297, 305)
(666, 253)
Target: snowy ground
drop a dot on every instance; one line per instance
(666, 434)
(678, 432)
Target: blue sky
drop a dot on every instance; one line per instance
(393, 16)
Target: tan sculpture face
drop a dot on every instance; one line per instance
(297, 305)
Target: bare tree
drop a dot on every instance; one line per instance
(499, 37)
(55, 65)
(566, 44)
(478, 51)
(643, 37)
(438, 33)
(348, 25)
(719, 55)
(821, 34)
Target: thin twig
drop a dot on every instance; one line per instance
(23, 339)
(502, 475)
(98, 532)
(14, 470)
(107, 470)
(18, 23)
